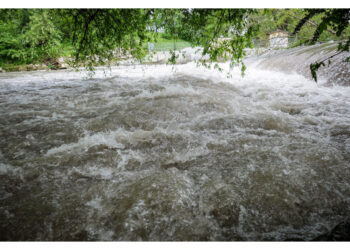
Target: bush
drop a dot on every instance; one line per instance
(11, 47)
(37, 40)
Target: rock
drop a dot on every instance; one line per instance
(341, 232)
(36, 66)
(42, 67)
(1, 70)
(30, 67)
(62, 64)
(22, 68)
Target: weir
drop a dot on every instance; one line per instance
(292, 60)
(298, 60)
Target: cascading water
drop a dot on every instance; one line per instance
(297, 60)
(156, 152)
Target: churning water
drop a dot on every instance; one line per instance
(172, 153)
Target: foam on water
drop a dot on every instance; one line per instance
(159, 152)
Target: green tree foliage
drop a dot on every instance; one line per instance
(308, 26)
(222, 33)
(336, 20)
(12, 29)
(43, 39)
(28, 36)
(97, 33)
(100, 36)
(11, 47)
(269, 20)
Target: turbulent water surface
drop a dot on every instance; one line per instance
(172, 153)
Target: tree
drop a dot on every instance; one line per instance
(96, 33)
(43, 39)
(98, 36)
(28, 36)
(336, 20)
(205, 27)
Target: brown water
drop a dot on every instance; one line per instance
(155, 153)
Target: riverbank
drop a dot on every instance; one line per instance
(53, 64)
(161, 49)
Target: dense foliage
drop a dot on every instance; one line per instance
(99, 36)
(28, 36)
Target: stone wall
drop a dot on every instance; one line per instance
(279, 42)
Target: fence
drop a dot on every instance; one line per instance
(168, 45)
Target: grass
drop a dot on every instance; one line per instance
(165, 45)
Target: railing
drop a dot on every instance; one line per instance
(168, 45)
(292, 40)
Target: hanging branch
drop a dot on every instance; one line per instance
(310, 22)
(315, 66)
(85, 39)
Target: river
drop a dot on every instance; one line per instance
(160, 152)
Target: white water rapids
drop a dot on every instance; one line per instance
(157, 152)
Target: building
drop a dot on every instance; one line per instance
(278, 39)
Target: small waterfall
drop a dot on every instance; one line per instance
(298, 60)
(293, 60)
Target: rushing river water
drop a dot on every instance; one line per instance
(172, 153)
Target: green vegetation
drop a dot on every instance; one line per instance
(164, 44)
(28, 36)
(305, 27)
(90, 37)
(270, 20)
